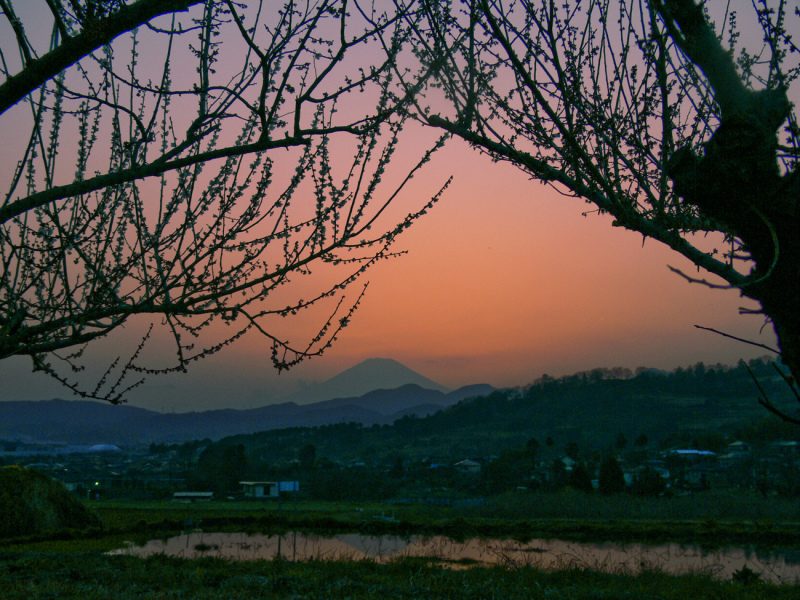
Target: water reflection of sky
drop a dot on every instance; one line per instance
(780, 567)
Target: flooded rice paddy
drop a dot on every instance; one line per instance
(778, 567)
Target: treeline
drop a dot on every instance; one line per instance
(700, 407)
(594, 406)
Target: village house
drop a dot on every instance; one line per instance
(260, 489)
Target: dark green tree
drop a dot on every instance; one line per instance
(559, 476)
(580, 479)
(507, 472)
(572, 450)
(648, 483)
(611, 480)
(398, 470)
(532, 448)
(220, 467)
(307, 457)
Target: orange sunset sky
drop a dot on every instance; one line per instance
(505, 280)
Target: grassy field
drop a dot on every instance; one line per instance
(72, 564)
(718, 505)
(92, 576)
(710, 520)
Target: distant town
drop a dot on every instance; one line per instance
(701, 430)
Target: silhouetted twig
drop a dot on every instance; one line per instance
(733, 337)
(765, 402)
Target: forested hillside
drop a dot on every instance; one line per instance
(698, 406)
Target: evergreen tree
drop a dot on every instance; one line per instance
(220, 467)
(572, 450)
(532, 448)
(611, 479)
(580, 479)
(649, 483)
(307, 457)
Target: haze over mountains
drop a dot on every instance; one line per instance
(371, 374)
(376, 391)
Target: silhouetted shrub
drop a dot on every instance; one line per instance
(610, 479)
(33, 503)
(580, 479)
(648, 483)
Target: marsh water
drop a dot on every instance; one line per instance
(778, 567)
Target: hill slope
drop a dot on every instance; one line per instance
(85, 422)
(690, 408)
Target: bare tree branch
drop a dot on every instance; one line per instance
(94, 35)
(640, 109)
(738, 339)
(199, 194)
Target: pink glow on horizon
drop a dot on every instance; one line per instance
(502, 290)
(504, 281)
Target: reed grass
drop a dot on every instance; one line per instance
(93, 576)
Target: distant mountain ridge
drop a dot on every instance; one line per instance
(86, 422)
(590, 408)
(366, 376)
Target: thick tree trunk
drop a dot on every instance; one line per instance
(737, 182)
(789, 342)
(779, 295)
(773, 239)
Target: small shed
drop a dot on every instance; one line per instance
(468, 466)
(260, 489)
(193, 496)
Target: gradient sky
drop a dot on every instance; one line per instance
(505, 280)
